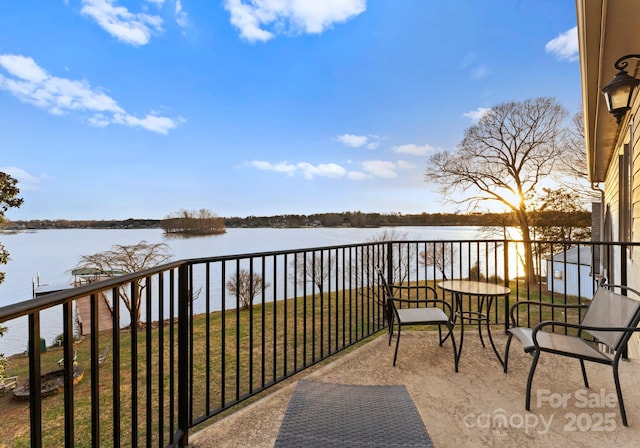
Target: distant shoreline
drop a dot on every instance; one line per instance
(344, 219)
(329, 220)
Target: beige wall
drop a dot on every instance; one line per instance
(629, 133)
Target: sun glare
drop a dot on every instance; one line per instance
(512, 198)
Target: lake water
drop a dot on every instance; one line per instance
(50, 255)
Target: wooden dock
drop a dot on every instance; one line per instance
(83, 313)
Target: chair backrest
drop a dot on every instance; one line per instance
(385, 284)
(609, 309)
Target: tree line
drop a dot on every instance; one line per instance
(581, 218)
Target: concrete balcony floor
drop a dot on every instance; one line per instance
(458, 409)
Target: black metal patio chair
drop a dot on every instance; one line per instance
(402, 310)
(610, 320)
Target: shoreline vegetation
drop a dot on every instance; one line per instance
(193, 225)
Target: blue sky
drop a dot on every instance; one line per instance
(116, 109)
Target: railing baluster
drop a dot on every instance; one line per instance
(149, 363)
(207, 335)
(184, 356)
(172, 357)
(67, 323)
(285, 318)
(95, 375)
(134, 362)
(35, 397)
(161, 386)
(274, 347)
(223, 336)
(115, 339)
(237, 373)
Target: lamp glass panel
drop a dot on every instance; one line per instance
(621, 97)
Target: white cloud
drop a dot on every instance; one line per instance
(282, 167)
(21, 67)
(261, 20)
(33, 85)
(26, 180)
(404, 165)
(98, 120)
(323, 170)
(357, 175)
(565, 46)
(412, 149)
(476, 115)
(151, 122)
(370, 169)
(308, 170)
(182, 19)
(381, 168)
(386, 169)
(355, 141)
(132, 28)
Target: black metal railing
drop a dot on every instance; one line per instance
(213, 332)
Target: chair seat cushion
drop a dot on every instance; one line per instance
(421, 315)
(555, 342)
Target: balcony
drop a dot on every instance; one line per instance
(463, 409)
(217, 333)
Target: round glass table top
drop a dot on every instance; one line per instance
(473, 288)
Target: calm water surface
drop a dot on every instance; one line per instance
(50, 255)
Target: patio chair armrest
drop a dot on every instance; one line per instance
(394, 300)
(528, 303)
(621, 287)
(579, 327)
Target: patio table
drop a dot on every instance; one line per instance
(485, 293)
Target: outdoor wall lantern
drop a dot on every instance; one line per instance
(619, 91)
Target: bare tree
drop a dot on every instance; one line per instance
(439, 255)
(314, 267)
(503, 158)
(573, 165)
(246, 286)
(127, 260)
(401, 254)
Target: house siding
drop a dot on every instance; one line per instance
(631, 258)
